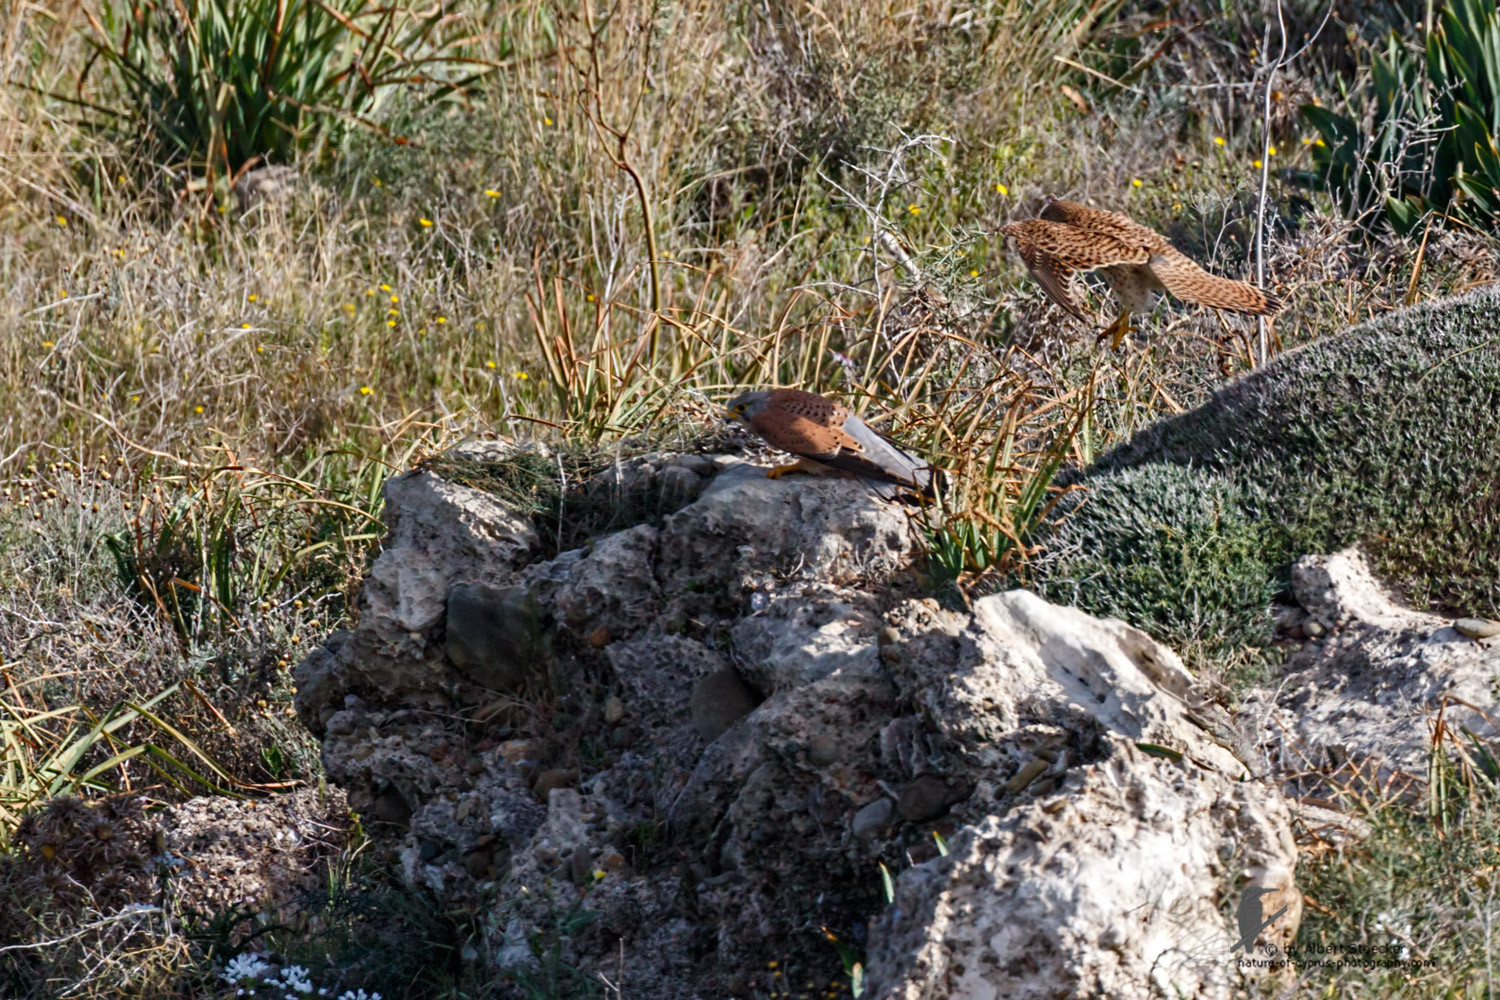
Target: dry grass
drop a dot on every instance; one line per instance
(644, 209)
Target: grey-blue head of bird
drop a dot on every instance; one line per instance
(746, 405)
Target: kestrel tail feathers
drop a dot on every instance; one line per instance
(1181, 276)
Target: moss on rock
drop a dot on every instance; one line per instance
(1387, 435)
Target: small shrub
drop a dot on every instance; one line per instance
(1387, 436)
(219, 83)
(1428, 142)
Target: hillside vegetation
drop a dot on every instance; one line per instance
(1386, 435)
(587, 226)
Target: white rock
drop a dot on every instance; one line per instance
(1111, 889)
(1371, 690)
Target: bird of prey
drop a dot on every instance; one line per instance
(1138, 264)
(825, 436)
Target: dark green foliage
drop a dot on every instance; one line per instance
(1172, 549)
(1434, 123)
(1388, 435)
(217, 82)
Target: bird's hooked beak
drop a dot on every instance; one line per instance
(730, 417)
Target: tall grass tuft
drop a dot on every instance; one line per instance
(1423, 137)
(219, 84)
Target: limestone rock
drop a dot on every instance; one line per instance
(719, 701)
(1110, 889)
(262, 854)
(494, 635)
(1368, 691)
(745, 705)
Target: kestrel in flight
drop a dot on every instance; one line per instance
(1138, 263)
(825, 436)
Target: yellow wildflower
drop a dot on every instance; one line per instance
(197, 409)
(1257, 164)
(441, 320)
(1136, 182)
(522, 376)
(1271, 150)
(1218, 140)
(546, 121)
(384, 287)
(491, 193)
(489, 364)
(365, 390)
(375, 181)
(425, 222)
(244, 326)
(589, 297)
(62, 222)
(1002, 189)
(253, 297)
(390, 322)
(49, 344)
(973, 272)
(914, 209)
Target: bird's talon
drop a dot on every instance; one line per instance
(1116, 332)
(781, 470)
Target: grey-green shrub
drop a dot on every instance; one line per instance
(1387, 435)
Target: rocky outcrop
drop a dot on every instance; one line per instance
(1111, 887)
(697, 742)
(1372, 683)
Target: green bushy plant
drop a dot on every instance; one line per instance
(1431, 140)
(1387, 436)
(217, 83)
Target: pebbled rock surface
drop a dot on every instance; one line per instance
(1110, 887)
(260, 854)
(728, 718)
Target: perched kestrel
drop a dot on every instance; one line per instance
(825, 436)
(1137, 262)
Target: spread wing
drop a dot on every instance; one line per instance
(1055, 251)
(1181, 276)
(1116, 225)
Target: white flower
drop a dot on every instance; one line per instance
(243, 967)
(295, 977)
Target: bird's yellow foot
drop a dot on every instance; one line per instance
(782, 470)
(1116, 331)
